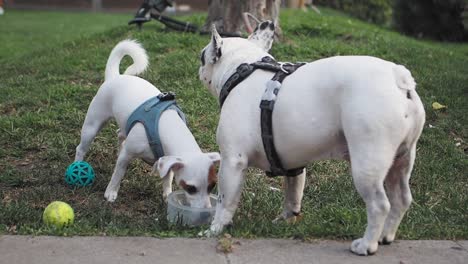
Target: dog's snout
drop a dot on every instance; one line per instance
(264, 25)
(272, 26)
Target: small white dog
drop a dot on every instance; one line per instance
(118, 97)
(357, 108)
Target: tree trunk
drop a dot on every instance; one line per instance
(227, 15)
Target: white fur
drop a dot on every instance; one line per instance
(135, 51)
(346, 107)
(117, 98)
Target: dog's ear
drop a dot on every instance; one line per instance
(215, 52)
(263, 35)
(167, 163)
(214, 156)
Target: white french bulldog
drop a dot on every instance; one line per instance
(357, 108)
(117, 98)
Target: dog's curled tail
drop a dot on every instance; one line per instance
(131, 48)
(404, 79)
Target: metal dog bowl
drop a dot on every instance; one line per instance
(180, 212)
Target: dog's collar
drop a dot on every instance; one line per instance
(281, 70)
(245, 70)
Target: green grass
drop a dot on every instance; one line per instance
(23, 32)
(46, 86)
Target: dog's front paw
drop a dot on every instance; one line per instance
(206, 233)
(215, 230)
(386, 239)
(362, 248)
(110, 195)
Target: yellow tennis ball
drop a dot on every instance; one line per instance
(58, 214)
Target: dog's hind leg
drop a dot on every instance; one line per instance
(231, 179)
(95, 119)
(293, 192)
(119, 171)
(370, 163)
(398, 192)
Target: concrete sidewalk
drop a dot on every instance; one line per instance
(60, 250)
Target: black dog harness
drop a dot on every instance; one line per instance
(281, 70)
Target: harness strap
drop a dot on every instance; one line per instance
(266, 118)
(149, 114)
(282, 70)
(242, 72)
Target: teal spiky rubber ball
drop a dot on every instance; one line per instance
(79, 173)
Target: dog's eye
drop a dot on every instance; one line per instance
(211, 186)
(190, 189)
(202, 58)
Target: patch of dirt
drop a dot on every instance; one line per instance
(10, 195)
(7, 109)
(28, 159)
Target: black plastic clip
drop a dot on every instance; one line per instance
(166, 96)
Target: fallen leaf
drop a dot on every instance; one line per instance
(225, 244)
(438, 106)
(12, 229)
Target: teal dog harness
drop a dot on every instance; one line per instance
(149, 114)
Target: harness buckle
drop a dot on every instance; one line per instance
(269, 96)
(283, 64)
(166, 96)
